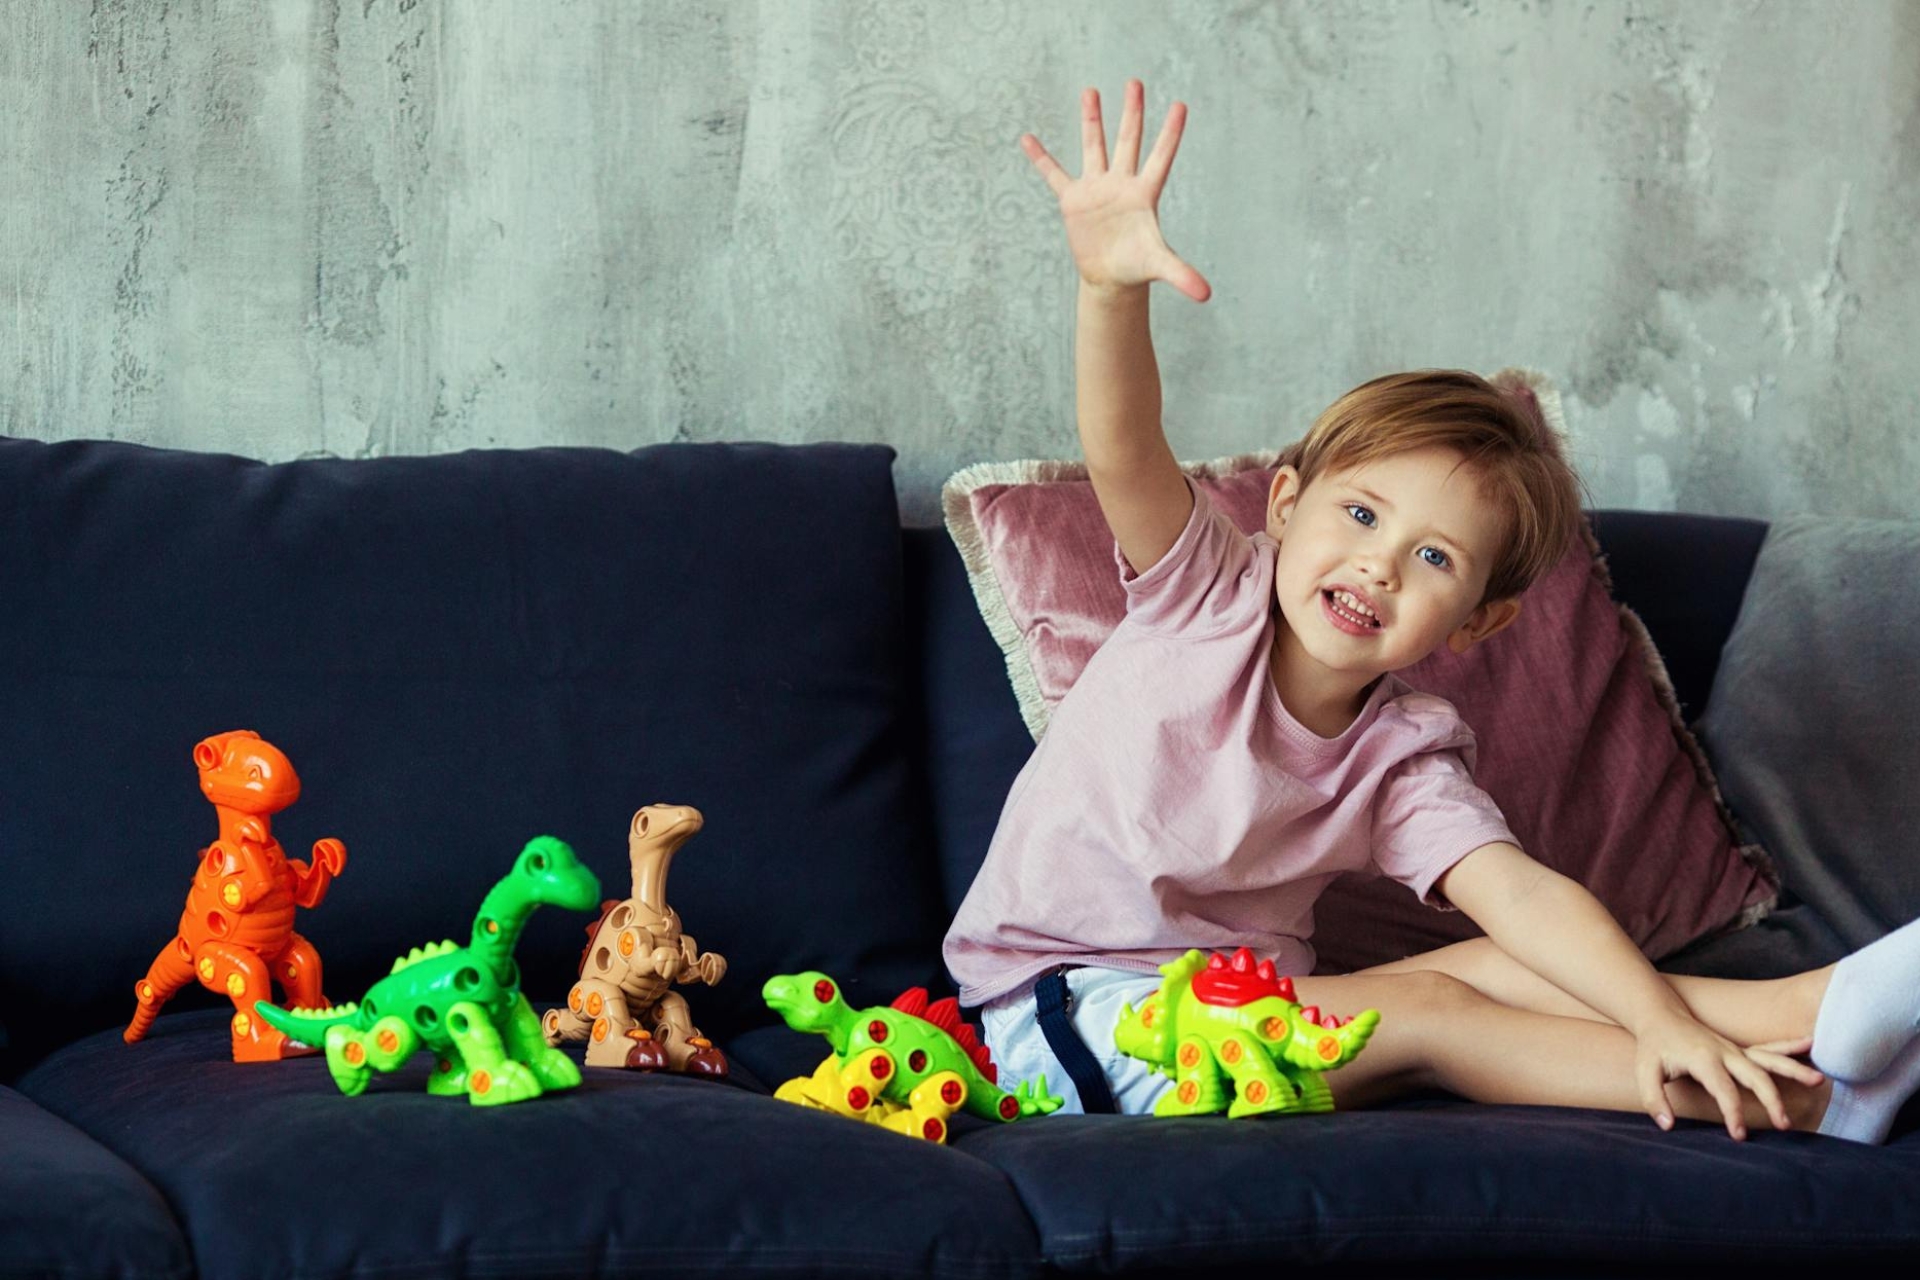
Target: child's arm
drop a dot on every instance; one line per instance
(1113, 229)
(1554, 926)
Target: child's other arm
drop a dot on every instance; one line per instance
(1554, 926)
(1113, 229)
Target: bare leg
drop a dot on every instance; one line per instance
(1438, 1032)
(1746, 1013)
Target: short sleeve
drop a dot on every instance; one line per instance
(1428, 814)
(1205, 581)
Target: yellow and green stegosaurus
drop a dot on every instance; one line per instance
(1233, 1038)
(907, 1066)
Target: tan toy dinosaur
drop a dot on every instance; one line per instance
(624, 1004)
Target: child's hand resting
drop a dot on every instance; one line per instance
(1112, 213)
(1680, 1046)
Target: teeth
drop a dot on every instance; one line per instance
(1352, 603)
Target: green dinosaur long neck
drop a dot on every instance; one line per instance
(496, 930)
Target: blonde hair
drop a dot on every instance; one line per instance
(1498, 428)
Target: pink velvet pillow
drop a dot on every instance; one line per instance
(1580, 740)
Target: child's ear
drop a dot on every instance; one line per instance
(1492, 617)
(1281, 496)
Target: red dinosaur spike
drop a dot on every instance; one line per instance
(1240, 981)
(1312, 1014)
(945, 1014)
(1286, 991)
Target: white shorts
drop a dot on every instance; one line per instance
(1021, 1051)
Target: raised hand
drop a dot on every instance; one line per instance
(1112, 211)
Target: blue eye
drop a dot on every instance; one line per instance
(1361, 513)
(1435, 557)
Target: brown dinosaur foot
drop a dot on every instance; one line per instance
(705, 1060)
(646, 1053)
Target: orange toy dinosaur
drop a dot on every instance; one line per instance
(236, 935)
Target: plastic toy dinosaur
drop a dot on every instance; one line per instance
(236, 935)
(1215, 1021)
(624, 1004)
(908, 1066)
(463, 1003)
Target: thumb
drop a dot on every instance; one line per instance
(1175, 271)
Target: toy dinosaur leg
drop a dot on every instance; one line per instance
(353, 1056)
(1310, 1089)
(170, 971)
(241, 975)
(609, 1024)
(929, 1107)
(525, 1043)
(298, 970)
(569, 1021)
(687, 1050)
(492, 1077)
(817, 1090)
(449, 1076)
(1258, 1085)
(1197, 1090)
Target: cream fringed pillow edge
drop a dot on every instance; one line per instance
(956, 503)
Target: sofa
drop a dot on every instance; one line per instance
(461, 652)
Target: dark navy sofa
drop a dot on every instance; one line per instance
(464, 651)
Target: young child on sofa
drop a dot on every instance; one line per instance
(1240, 739)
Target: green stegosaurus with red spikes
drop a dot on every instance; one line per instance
(908, 1066)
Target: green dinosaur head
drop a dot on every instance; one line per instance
(1142, 1033)
(550, 873)
(808, 1001)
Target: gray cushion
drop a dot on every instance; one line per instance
(1813, 725)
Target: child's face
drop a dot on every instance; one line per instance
(1381, 564)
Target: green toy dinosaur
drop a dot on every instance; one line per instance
(1215, 1020)
(463, 1003)
(908, 1065)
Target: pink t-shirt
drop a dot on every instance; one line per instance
(1174, 802)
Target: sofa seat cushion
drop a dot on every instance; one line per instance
(1430, 1181)
(70, 1207)
(274, 1172)
(458, 653)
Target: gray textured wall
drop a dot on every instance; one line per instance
(390, 226)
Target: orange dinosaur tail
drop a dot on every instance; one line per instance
(170, 972)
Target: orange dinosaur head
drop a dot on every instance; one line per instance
(241, 770)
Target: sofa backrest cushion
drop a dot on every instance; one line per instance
(1814, 721)
(457, 653)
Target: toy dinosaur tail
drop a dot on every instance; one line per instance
(170, 972)
(309, 1026)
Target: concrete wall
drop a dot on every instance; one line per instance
(394, 226)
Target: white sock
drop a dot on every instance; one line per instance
(1865, 1112)
(1871, 1008)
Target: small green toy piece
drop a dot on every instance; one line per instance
(1215, 1021)
(463, 1003)
(908, 1065)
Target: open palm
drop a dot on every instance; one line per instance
(1112, 211)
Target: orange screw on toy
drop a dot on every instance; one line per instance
(236, 936)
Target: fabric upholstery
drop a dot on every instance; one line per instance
(1580, 741)
(1424, 1183)
(70, 1207)
(1814, 721)
(275, 1173)
(457, 653)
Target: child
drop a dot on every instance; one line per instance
(1239, 740)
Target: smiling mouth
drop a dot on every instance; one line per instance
(1346, 607)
